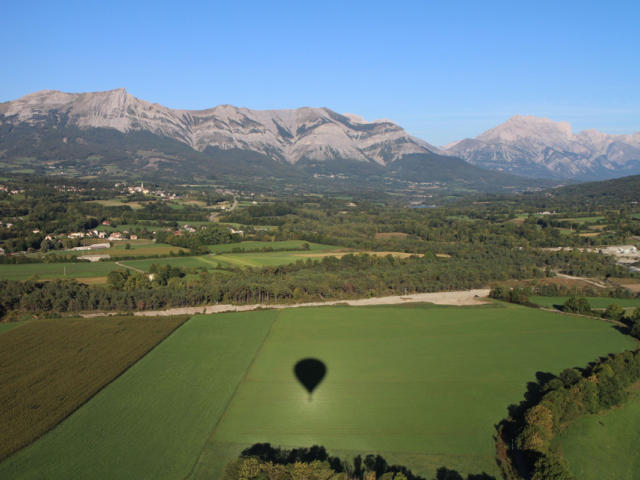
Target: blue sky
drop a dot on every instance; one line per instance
(443, 70)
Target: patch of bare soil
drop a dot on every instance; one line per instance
(460, 298)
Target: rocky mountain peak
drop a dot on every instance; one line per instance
(543, 148)
(528, 126)
(305, 133)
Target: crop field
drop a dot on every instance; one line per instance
(583, 220)
(99, 270)
(114, 202)
(57, 270)
(5, 327)
(279, 245)
(152, 421)
(207, 261)
(604, 445)
(419, 384)
(136, 248)
(595, 302)
(49, 368)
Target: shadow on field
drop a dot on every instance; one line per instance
(360, 468)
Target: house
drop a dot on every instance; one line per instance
(133, 237)
(1, 251)
(106, 222)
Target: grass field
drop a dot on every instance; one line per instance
(582, 220)
(114, 202)
(136, 248)
(94, 270)
(57, 270)
(419, 384)
(605, 445)
(49, 368)
(278, 245)
(152, 421)
(5, 327)
(595, 302)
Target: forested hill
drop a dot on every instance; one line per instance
(619, 190)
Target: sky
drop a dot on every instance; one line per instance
(442, 70)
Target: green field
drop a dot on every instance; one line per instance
(582, 220)
(605, 445)
(421, 385)
(278, 245)
(57, 270)
(152, 421)
(119, 249)
(100, 269)
(48, 368)
(5, 327)
(595, 302)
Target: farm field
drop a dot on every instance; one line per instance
(57, 270)
(605, 445)
(153, 420)
(49, 368)
(5, 327)
(114, 202)
(277, 245)
(136, 248)
(595, 302)
(419, 384)
(93, 270)
(582, 220)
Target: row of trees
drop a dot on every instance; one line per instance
(351, 276)
(562, 399)
(264, 462)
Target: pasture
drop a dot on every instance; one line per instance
(49, 368)
(604, 445)
(421, 385)
(595, 302)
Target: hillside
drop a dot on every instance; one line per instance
(117, 135)
(541, 148)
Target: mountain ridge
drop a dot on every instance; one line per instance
(289, 135)
(540, 147)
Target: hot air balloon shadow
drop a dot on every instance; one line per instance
(310, 372)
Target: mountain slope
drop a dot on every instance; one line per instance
(113, 133)
(290, 135)
(538, 147)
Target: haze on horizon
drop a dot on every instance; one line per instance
(443, 72)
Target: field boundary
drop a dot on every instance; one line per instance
(456, 298)
(226, 406)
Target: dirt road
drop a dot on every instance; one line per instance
(466, 297)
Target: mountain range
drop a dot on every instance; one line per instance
(538, 147)
(115, 134)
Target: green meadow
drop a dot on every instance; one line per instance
(57, 270)
(604, 445)
(419, 384)
(277, 245)
(595, 302)
(288, 252)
